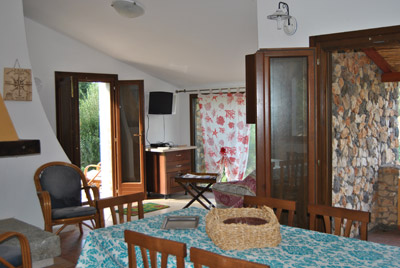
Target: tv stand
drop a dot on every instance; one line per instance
(163, 164)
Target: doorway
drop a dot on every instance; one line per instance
(95, 134)
(326, 46)
(100, 127)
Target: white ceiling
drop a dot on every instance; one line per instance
(187, 43)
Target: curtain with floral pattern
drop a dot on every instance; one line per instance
(225, 133)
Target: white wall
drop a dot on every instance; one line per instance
(316, 17)
(17, 191)
(51, 51)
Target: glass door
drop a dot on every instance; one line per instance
(130, 134)
(286, 127)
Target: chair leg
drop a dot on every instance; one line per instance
(48, 228)
(62, 228)
(80, 228)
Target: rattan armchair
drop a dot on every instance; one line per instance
(59, 188)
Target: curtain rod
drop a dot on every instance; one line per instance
(233, 89)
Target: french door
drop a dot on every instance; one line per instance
(281, 88)
(123, 171)
(130, 141)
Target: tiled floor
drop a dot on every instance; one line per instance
(388, 237)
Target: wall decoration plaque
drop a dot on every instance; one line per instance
(17, 84)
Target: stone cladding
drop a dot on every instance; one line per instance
(364, 130)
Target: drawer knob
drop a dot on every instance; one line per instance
(178, 166)
(178, 155)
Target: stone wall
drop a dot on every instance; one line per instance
(384, 212)
(364, 129)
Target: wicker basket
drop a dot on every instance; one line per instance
(243, 236)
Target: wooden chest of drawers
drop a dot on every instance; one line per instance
(162, 167)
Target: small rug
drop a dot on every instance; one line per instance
(147, 207)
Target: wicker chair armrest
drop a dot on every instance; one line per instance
(25, 249)
(45, 202)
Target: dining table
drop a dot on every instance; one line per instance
(106, 247)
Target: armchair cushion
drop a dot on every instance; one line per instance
(72, 212)
(230, 194)
(63, 184)
(12, 254)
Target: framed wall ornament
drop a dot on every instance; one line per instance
(17, 84)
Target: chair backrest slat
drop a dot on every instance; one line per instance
(153, 245)
(277, 204)
(339, 215)
(201, 257)
(119, 202)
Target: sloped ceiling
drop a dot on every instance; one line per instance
(187, 43)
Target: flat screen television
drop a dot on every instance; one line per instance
(161, 102)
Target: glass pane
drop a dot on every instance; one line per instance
(288, 87)
(129, 127)
(200, 165)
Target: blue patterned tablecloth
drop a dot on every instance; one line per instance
(299, 248)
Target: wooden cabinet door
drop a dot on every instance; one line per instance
(281, 86)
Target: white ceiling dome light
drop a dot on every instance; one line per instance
(128, 8)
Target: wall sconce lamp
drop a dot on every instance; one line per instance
(283, 19)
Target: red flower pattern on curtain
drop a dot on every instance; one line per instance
(225, 133)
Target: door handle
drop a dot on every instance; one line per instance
(137, 135)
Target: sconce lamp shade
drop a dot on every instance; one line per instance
(128, 8)
(283, 19)
(279, 13)
(280, 16)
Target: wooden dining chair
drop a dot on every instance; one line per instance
(153, 245)
(277, 204)
(339, 214)
(201, 257)
(117, 205)
(14, 256)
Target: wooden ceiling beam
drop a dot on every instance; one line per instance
(390, 77)
(378, 59)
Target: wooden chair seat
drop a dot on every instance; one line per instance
(277, 204)
(154, 245)
(338, 215)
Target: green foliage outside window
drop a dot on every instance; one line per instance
(89, 123)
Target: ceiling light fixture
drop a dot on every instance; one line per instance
(128, 8)
(283, 19)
